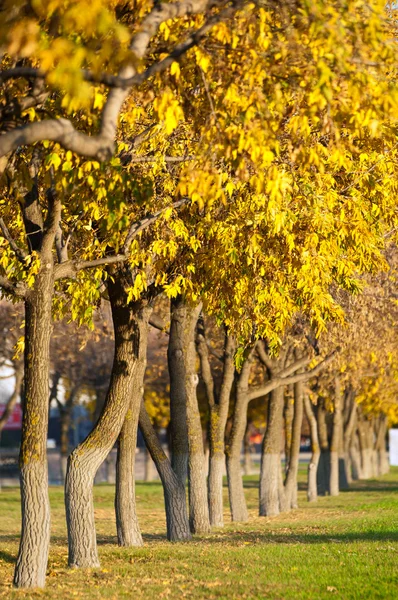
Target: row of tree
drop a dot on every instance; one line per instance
(236, 157)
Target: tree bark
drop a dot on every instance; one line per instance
(128, 530)
(30, 570)
(288, 416)
(218, 420)
(291, 477)
(349, 431)
(173, 489)
(365, 431)
(178, 405)
(355, 457)
(382, 456)
(270, 472)
(312, 490)
(131, 329)
(199, 520)
(236, 492)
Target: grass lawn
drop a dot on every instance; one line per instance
(344, 547)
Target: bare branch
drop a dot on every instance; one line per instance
(139, 226)
(20, 253)
(276, 382)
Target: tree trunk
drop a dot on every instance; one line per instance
(197, 485)
(336, 439)
(131, 329)
(178, 405)
(348, 435)
(288, 416)
(323, 474)
(247, 455)
(383, 462)
(365, 432)
(173, 489)
(291, 477)
(128, 530)
(127, 526)
(270, 473)
(30, 570)
(312, 491)
(236, 492)
(355, 457)
(218, 421)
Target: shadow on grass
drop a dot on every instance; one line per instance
(302, 538)
(370, 485)
(7, 557)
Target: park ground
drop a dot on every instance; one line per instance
(344, 547)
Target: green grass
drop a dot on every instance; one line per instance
(344, 547)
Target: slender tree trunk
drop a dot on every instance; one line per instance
(127, 526)
(30, 570)
(355, 457)
(236, 492)
(336, 439)
(383, 462)
(291, 477)
(270, 474)
(197, 485)
(349, 432)
(323, 474)
(178, 404)
(218, 420)
(365, 432)
(312, 491)
(247, 455)
(131, 329)
(128, 530)
(288, 416)
(173, 489)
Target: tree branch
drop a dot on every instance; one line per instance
(102, 146)
(278, 381)
(20, 253)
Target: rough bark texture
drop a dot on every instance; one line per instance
(173, 489)
(218, 406)
(178, 405)
(291, 477)
(30, 570)
(236, 492)
(247, 455)
(271, 458)
(131, 327)
(312, 491)
(197, 485)
(128, 530)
